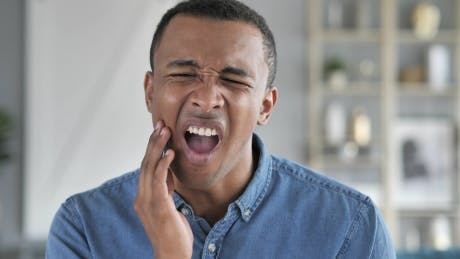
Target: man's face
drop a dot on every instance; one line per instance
(209, 87)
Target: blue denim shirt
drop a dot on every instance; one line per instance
(286, 211)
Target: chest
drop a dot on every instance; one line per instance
(270, 235)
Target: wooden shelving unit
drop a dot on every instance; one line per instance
(389, 35)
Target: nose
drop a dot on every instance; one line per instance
(207, 96)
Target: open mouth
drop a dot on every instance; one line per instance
(201, 140)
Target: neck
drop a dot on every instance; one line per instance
(211, 203)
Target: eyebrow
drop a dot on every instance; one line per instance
(183, 63)
(235, 71)
(194, 64)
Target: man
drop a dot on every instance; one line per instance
(207, 187)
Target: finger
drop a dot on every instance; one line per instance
(157, 150)
(145, 161)
(148, 163)
(170, 182)
(157, 142)
(162, 170)
(146, 167)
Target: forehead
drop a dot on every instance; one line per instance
(209, 40)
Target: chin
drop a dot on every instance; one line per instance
(192, 182)
(195, 177)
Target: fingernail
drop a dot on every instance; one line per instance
(163, 131)
(165, 153)
(158, 125)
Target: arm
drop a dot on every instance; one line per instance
(367, 236)
(168, 230)
(66, 238)
(382, 246)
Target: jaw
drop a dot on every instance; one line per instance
(198, 141)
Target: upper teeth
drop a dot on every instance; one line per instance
(202, 131)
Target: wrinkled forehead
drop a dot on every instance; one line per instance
(210, 41)
(183, 24)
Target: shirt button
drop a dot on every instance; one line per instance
(212, 248)
(185, 211)
(247, 212)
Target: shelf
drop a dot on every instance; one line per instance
(443, 36)
(360, 162)
(354, 89)
(350, 35)
(392, 46)
(423, 90)
(427, 212)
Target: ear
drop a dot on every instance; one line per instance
(148, 90)
(268, 103)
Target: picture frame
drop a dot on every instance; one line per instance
(424, 158)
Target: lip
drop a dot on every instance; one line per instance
(200, 158)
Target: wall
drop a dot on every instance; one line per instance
(85, 66)
(286, 132)
(11, 81)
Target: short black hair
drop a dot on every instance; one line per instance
(226, 10)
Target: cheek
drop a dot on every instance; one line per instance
(244, 112)
(166, 104)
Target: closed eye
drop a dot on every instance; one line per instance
(232, 81)
(182, 75)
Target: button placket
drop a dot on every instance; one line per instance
(218, 232)
(212, 248)
(185, 211)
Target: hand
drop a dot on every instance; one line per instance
(168, 230)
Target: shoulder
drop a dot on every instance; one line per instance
(304, 177)
(85, 220)
(99, 204)
(121, 186)
(356, 221)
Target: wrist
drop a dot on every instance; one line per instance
(159, 255)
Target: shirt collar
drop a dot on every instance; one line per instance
(257, 187)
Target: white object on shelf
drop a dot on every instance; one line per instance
(361, 128)
(350, 151)
(441, 232)
(438, 67)
(335, 125)
(425, 19)
(424, 160)
(337, 80)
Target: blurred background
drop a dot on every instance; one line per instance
(369, 94)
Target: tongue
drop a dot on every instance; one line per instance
(202, 144)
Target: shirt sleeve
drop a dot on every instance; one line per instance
(66, 238)
(367, 236)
